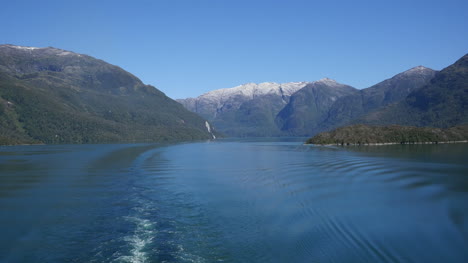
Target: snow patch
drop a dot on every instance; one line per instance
(24, 48)
(327, 81)
(56, 51)
(418, 69)
(64, 53)
(252, 90)
(213, 102)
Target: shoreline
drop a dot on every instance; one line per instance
(385, 143)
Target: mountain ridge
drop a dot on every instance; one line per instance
(51, 95)
(234, 111)
(312, 107)
(309, 108)
(443, 102)
(350, 108)
(250, 109)
(248, 91)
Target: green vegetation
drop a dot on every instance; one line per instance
(52, 98)
(348, 109)
(253, 118)
(441, 103)
(309, 107)
(363, 134)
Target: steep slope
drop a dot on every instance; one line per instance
(245, 110)
(51, 95)
(351, 107)
(443, 102)
(309, 106)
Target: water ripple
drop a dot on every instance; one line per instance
(234, 202)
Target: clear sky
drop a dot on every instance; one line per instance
(186, 48)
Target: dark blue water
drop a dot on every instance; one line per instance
(234, 201)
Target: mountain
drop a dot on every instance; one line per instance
(417, 97)
(245, 110)
(364, 134)
(443, 102)
(50, 95)
(349, 108)
(302, 108)
(309, 106)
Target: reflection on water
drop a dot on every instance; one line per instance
(234, 201)
(443, 153)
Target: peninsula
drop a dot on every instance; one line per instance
(375, 135)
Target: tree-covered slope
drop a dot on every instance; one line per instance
(364, 134)
(349, 108)
(443, 102)
(309, 107)
(417, 97)
(49, 95)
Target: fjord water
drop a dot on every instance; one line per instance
(234, 201)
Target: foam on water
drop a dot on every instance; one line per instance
(235, 202)
(139, 240)
(161, 219)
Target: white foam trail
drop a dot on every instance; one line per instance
(142, 236)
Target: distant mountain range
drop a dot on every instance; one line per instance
(442, 102)
(49, 95)
(245, 110)
(419, 96)
(349, 109)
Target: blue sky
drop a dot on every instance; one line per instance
(186, 48)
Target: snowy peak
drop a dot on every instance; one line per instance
(417, 70)
(249, 91)
(40, 50)
(220, 101)
(252, 90)
(327, 81)
(252, 109)
(22, 47)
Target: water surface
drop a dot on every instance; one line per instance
(234, 201)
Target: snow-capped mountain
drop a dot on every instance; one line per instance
(310, 106)
(251, 109)
(299, 108)
(212, 103)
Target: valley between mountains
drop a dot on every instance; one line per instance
(54, 96)
(417, 97)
